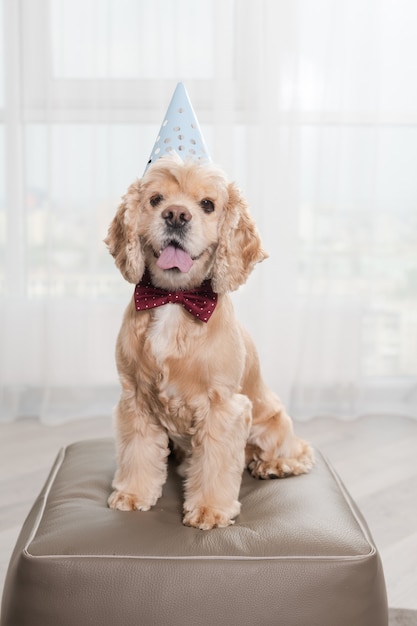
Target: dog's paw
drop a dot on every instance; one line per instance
(129, 502)
(282, 467)
(205, 518)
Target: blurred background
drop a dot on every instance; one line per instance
(309, 105)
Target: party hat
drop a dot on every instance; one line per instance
(180, 131)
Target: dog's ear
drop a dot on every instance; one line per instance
(123, 239)
(240, 246)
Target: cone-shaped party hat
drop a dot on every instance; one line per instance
(180, 131)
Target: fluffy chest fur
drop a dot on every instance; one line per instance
(186, 365)
(181, 382)
(164, 332)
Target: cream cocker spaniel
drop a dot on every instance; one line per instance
(184, 234)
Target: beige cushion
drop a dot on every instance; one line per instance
(299, 554)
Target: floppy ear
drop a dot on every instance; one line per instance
(123, 239)
(240, 246)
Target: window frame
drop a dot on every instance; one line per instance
(46, 99)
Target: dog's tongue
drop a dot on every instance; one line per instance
(174, 257)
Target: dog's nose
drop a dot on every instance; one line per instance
(176, 215)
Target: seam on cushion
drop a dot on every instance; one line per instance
(44, 498)
(351, 504)
(306, 559)
(337, 558)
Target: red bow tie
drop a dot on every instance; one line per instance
(200, 302)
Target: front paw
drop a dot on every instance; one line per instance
(281, 467)
(129, 502)
(205, 518)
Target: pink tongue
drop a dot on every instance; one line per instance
(174, 257)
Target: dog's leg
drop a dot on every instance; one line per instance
(142, 450)
(214, 468)
(273, 450)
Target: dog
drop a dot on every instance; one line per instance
(188, 382)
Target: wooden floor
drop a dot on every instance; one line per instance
(376, 458)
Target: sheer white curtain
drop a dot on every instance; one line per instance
(309, 104)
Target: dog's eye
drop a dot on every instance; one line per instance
(207, 205)
(157, 199)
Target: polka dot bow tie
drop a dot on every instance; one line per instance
(200, 302)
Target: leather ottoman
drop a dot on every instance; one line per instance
(299, 554)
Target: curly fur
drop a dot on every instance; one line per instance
(198, 385)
